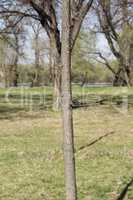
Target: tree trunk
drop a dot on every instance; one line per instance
(15, 72)
(131, 64)
(51, 65)
(36, 77)
(15, 64)
(122, 77)
(119, 79)
(69, 159)
(84, 79)
(36, 81)
(57, 83)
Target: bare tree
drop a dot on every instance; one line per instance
(36, 27)
(73, 14)
(114, 19)
(70, 175)
(15, 39)
(18, 37)
(47, 13)
(7, 61)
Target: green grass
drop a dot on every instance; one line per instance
(103, 90)
(31, 160)
(76, 90)
(41, 98)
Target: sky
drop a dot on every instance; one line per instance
(101, 43)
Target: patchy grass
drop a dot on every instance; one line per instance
(76, 90)
(31, 160)
(102, 90)
(14, 100)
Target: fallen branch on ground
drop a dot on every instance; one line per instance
(94, 142)
(125, 190)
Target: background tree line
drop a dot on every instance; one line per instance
(113, 20)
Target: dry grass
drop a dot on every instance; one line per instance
(31, 162)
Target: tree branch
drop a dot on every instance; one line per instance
(94, 142)
(80, 11)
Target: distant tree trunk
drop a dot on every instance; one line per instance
(69, 159)
(111, 34)
(15, 72)
(119, 80)
(122, 76)
(124, 6)
(56, 74)
(4, 75)
(84, 79)
(36, 81)
(15, 64)
(57, 82)
(131, 64)
(51, 60)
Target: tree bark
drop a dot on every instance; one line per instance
(69, 159)
(122, 75)
(57, 82)
(113, 38)
(56, 75)
(36, 80)
(15, 64)
(131, 64)
(51, 63)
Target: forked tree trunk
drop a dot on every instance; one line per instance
(69, 159)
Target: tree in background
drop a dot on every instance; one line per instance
(82, 63)
(19, 40)
(9, 61)
(38, 46)
(72, 20)
(5, 62)
(114, 18)
(13, 38)
(47, 13)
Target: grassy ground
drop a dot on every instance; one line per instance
(31, 160)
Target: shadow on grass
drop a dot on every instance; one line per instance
(18, 107)
(15, 104)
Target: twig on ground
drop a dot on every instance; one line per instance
(94, 142)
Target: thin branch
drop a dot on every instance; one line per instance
(94, 142)
(9, 13)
